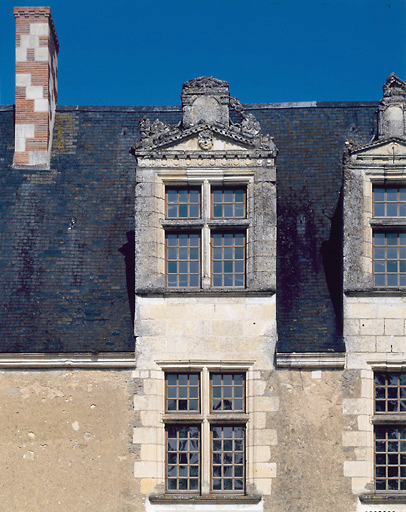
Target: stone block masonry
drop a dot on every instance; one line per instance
(36, 85)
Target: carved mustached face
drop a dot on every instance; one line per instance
(205, 140)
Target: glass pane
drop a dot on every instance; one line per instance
(391, 194)
(392, 210)
(379, 280)
(379, 210)
(217, 210)
(391, 238)
(183, 210)
(379, 194)
(228, 210)
(392, 280)
(228, 196)
(239, 210)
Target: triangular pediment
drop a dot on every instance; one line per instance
(389, 148)
(206, 139)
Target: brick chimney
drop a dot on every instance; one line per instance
(36, 85)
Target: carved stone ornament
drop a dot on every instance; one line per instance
(394, 86)
(205, 140)
(206, 83)
(205, 116)
(392, 108)
(249, 125)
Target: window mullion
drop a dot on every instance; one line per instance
(205, 250)
(205, 440)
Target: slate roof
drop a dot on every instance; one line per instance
(67, 234)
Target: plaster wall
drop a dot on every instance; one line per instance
(65, 441)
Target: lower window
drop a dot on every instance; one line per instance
(183, 458)
(205, 439)
(390, 432)
(228, 456)
(390, 458)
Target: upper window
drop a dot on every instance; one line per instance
(389, 241)
(389, 202)
(182, 203)
(212, 252)
(389, 259)
(183, 259)
(390, 433)
(228, 259)
(228, 202)
(182, 392)
(227, 391)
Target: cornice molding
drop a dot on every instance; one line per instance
(197, 160)
(310, 360)
(67, 360)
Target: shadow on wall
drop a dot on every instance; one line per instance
(128, 250)
(332, 252)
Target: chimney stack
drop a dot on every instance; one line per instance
(36, 85)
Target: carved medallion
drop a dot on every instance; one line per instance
(205, 140)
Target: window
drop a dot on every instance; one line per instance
(389, 237)
(228, 259)
(389, 259)
(206, 243)
(182, 203)
(205, 413)
(183, 259)
(228, 202)
(389, 202)
(390, 432)
(183, 457)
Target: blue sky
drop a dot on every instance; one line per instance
(139, 52)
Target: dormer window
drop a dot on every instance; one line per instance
(389, 238)
(197, 239)
(389, 201)
(182, 203)
(198, 226)
(228, 202)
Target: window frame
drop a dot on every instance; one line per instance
(206, 226)
(189, 260)
(188, 189)
(388, 419)
(385, 225)
(223, 188)
(207, 419)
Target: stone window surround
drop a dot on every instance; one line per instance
(395, 366)
(206, 224)
(378, 176)
(205, 418)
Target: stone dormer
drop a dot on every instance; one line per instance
(371, 170)
(206, 155)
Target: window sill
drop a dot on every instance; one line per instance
(386, 222)
(383, 498)
(238, 292)
(207, 498)
(376, 291)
